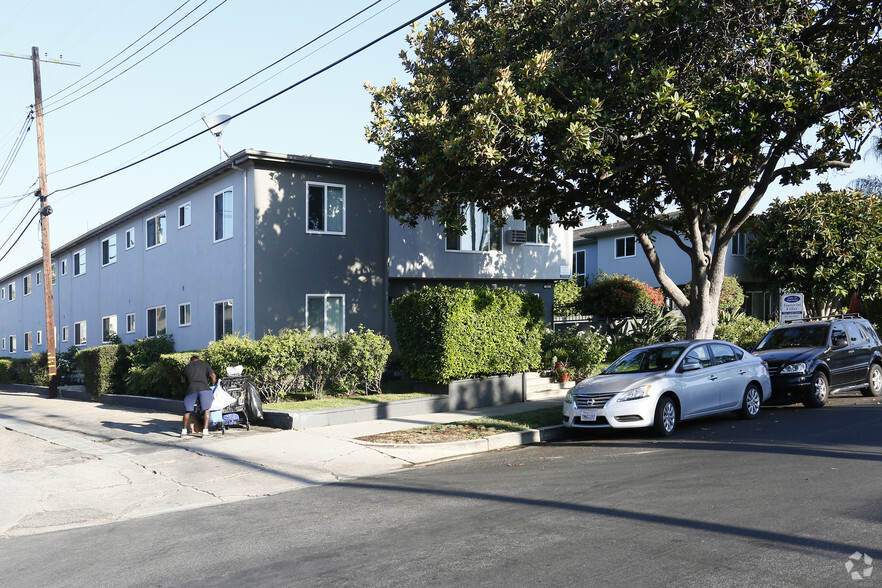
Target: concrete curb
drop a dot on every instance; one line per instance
(454, 448)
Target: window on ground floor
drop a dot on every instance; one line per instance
(324, 313)
(223, 319)
(184, 315)
(130, 322)
(108, 328)
(80, 333)
(156, 324)
(28, 342)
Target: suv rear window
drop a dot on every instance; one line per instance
(796, 336)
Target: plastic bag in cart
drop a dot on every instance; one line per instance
(221, 398)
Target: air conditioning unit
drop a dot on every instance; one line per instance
(517, 237)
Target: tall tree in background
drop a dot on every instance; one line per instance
(826, 245)
(630, 108)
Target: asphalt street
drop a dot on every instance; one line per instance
(788, 499)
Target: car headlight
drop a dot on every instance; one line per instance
(794, 368)
(569, 399)
(635, 394)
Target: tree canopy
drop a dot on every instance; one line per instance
(826, 245)
(563, 108)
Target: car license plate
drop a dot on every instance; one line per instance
(589, 415)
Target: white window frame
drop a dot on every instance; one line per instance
(3, 293)
(627, 240)
(490, 235)
(110, 260)
(2, 343)
(11, 289)
(739, 245)
(156, 332)
(12, 344)
(223, 332)
(214, 210)
(64, 334)
(104, 331)
(534, 236)
(39, 277)
(80, 335)
(184, 321)
(324, 230)
(130, 238)
(184, 209)
(39, 337)
(28, 342)
(130, 322)
(79, 262)
(160, 233)
(64, 267)
(26, 286)
(325, 298)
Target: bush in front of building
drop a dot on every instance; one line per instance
(567, 297)
(580, 352)
(741, 329)
(446, 333)
(5, 371)
(146, 351)
(620, 296)
(104, 368)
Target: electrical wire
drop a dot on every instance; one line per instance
(132, 44)
(17, 239)
(265, 100)
(219, 94)
(13, 153)
(200, 19)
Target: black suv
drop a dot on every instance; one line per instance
(814, 357)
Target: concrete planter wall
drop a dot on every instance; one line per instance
(478, 392)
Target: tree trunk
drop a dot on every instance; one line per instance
(702, 314)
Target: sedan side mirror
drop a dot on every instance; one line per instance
(690, 365)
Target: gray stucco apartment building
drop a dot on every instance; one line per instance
(263, 242)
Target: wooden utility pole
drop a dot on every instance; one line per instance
(45, 211)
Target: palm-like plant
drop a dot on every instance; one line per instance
(870, 184)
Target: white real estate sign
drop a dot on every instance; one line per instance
(792, 307)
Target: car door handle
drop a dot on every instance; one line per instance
(712, 378)
(742, 372)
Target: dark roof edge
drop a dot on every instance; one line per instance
(244, 157)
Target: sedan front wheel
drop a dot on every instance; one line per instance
(665, 416)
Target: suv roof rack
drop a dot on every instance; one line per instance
(834, 317)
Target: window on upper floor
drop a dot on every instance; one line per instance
(626, 247)
(156, 323)
(26, 285)
(184, 215)
(155, 226)
(80, 333)
(223, 215)
(39, 277)
(108, 250)
(579, 263)
(108, 328)
(3, 293)
(739, 244)
(3, 344)
(537, 234)
(480, 233)
(10, 289)
(63, 267)
(223, 319)
(184, 315)
(130, 238)
(53, 273)
(325, 208)
(79, 262)
(325, 313)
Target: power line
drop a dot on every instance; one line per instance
(13, 153)
(72, 84)
(17, 239)
(265, 100)
(219, 94)
(201, 18)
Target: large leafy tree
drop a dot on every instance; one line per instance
(559, 108)
(826, 245)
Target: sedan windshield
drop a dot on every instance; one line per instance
(654, 359)
(801, 336)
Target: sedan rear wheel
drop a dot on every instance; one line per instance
(818, 397)
(665, 416)
(874, 381)
(750, 406)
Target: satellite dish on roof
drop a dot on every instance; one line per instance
(216, 124)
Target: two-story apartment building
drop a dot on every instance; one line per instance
(613, 249)
(261, 242)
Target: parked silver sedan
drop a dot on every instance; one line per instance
(661, 385)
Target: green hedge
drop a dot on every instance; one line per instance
(5, 371)
(104, 368)
(447, 333)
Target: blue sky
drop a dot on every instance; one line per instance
(324, 117)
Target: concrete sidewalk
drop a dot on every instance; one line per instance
(69, 463)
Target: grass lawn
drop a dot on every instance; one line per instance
(339, 401)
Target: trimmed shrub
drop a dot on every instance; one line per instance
(658, 327)
(5, 371)
(103, 368)
(447, 333)
(38, 368)
(283, 356)
(323, 363)
(146, 351)
(740, 329)
(160, 380)
(20, 371)
(567, 298)
(363, 356)
(233, 350)
(580, 351)
(620, 296)
(66, 365)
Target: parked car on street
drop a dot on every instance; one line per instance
(812, 358)
(660, 385)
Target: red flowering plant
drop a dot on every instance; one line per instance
(621, 296)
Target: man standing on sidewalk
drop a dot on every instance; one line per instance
(196, 376)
